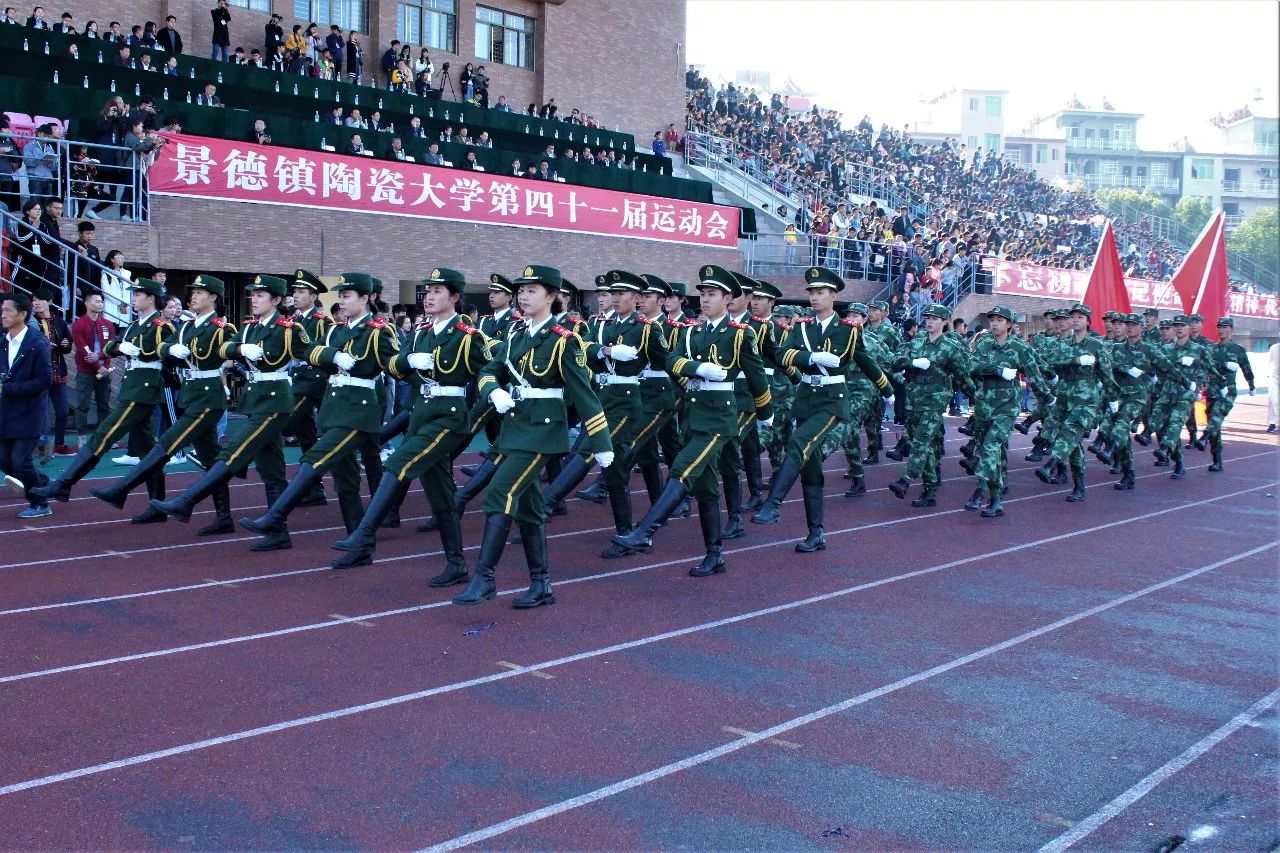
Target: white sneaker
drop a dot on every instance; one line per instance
(14, 485)
(89, 214)
(126, 460)
(126, 218)
(177, 458)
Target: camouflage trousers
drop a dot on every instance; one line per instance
(863, 399)
(1169, 415)
(925, 428)
(776, 437)
(1219, 407)
(1078, 402)
(994, 412)
(1123, 422)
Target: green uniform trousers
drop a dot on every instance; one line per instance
(806, 444)
(257, 440)
(428, 455)
(336, 450)
(1078, 401)
(516, 487)
(925, 429)
(994, 412)
(132, 418)
(1123, 422)
(199, 428)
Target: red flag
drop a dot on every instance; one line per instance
(1106, 290)
(1213, 300)
(1190, 275)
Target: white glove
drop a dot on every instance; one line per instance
(1224, 392)
(622, 352)
(767, 422)
(180, 351)
(1191, 386)
(129, 349)
(825, 359)
(1113, 406)
(712, 372)
(422, 361)
(1008, 374)
(1232, 366)
(1086, 361)
(1135, 372)
(251, 352)
(501, 400)
(344, 360)
(1187, 361)
(605, 458)
(1250, 392)
(921, 363)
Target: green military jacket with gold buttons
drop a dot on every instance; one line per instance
(373, 344)
(458, 351)
(309, 381)
(205, 342)
(148, 334)
(844, 340)
(729, 345)
(634, 330)
(281, 340)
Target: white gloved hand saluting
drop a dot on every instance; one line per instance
(501, 400)
(1086, 360)
(1113, 406)
(1135, 372)
(605, 458)
(1187, 361)
(825, 359)
(129, 349)
(622, 352)
(712, 372)
(422, 361)
(1008, 374)
(250, 352)
(180, 351)
(921, 363)
(344, 360)
(1232, 366)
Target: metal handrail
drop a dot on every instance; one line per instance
(114, 178)
(1263, 187)
(72, 276)
(1093, 143)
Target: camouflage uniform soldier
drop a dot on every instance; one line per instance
(1185, 365)
(1115, 337)
(1131, 368)
(1055, 408)
(1154, 333)
(932, 361)
(996, 362)
(864, 399)
(782, 383)
(1080, 363)
(890, 340)
(1229, 357)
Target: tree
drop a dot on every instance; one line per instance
(1144, 203)
(1193, 211)
(1258, 238)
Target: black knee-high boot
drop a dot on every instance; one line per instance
(755, 481)
(60, 489)
(182, 506)
(652, 475)
(813, 510)
(534, 539)
(709, 519)
(155, 492)
(474, 486)
(116, 493)
(272, 525)
(483, 586)
(222, 522)
(783, 480)
(362, 540)
(573, 473)
(455, 565)
(733, 508)
(672, 496)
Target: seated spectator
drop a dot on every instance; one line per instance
(238, 57)
(144, 63)
(469, 162)
(416, 130)
(354, 119)
(422, 84)
(464, 137)
(446, 135)
(335, 117)
(375, 121)
(396, 151)
(433, 156)
(258, 134)
(170, 67)
(73, 51)
(531, 110)
(123, 58)
(209, 97)
(401, 77)
(135, 36)
(255, 57)
(355, 146)
(549, 109)
(545, 172)
(516, 169)
(502, 106)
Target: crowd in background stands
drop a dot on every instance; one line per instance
(991, 203)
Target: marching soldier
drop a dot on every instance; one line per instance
(1184, 366)
(825, 348)
(769, 337)
(997, 360)
(657, 390)
(356, 353)
(782, 387)
(532, 370)
(864, 399)
(1131, 369)
(933, 361)
(743, 453)
(203, 400)
(1195, 327)
(709, 354)
(890, 339)
(445, 355)
(1229, 357)
(501, 291)
(308, 381)
(266, 344)
(1080, 362)
(140, 392)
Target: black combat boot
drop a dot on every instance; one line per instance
(222, 523)
(1059, 474)
(620, 504)
(899, 451)
(899, 487)
(455, 565)
(597, 492)
(995, 509)
(872, 457)
(60, 489)
(1161, 457)
(783, 479)
(363, 536)
(534, 537)
(1045, 473)
(709, 519)
(482, 586)
(928, 498)
(857, 489)
(813, 509)
(733, 509)
(977, 499)
(1143, 437)
(155, 492)
(182, 506)
(116, 493)
(272, 525)
(1179, 471)
(1077, 486)
(1127, 480)
(672, 496)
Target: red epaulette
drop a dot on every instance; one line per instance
(804, 320)
(516, 316)
(677, 324)
(320, 315)
(377, 323)
(562, 331)
(689, 324)
(284, 322)
(252, 321)
(574, 317)
(160, 321)
(463, 327)
(218, 322)
(848, 322)
(760, 319)
(735, 324)
(640, 318)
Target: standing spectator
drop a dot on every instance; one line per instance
(221, 39)
(90, 334)
(659, 147)
(294, 44)
(58, 333)
(24, 397)
(30, 250)
(355, 58)
(790, 238)
(169, 38)
(114, 285)
(82, 253)
(272, 34)
(10, 162)
(50, 224)
(424, 64)
(40, 158)
(389, 60)
(337, 49)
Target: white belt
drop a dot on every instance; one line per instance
(432, 390)
(768, 371)
(518, 393)
(818, 381)
(706, 385)
(200, 374)
(610, 379)
(272, 376)
(149, 365)
(654, 374)
(343, 381)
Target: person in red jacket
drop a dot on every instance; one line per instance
(90, 334)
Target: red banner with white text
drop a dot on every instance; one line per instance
(1015, 279)
(202, 167)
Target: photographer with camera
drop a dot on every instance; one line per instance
(26, 376)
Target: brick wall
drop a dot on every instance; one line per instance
(199, 235)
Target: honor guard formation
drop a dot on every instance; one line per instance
(642, 384)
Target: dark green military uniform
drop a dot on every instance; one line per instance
(203, 400)
(308, 380)
(826, 352)
(141, 390)
(657, 396)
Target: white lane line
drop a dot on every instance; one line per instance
(796, 722)
(400, 611)
(353, 710)
(1089, 825)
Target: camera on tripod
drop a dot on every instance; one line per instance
(444, 69)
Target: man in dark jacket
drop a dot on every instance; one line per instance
(273, 34)
(337, 49)
(26, 375)
(169, 38)
(389, 60)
